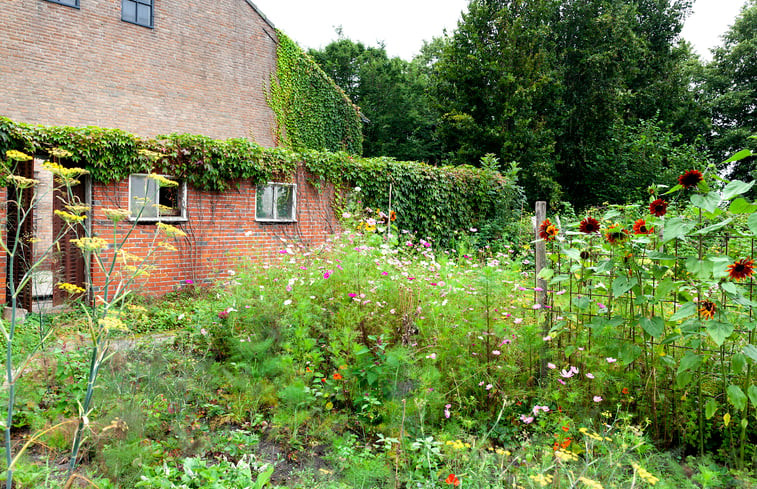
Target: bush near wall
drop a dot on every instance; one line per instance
(436, 202)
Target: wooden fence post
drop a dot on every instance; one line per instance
(540, 296)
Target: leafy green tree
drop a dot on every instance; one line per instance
(393, 102)
(730, 90)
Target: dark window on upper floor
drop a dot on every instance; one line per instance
(70, 3)
(138, 12)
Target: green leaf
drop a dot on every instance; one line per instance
(751, 352)
(752, 393)
(738, 362)
(572, 253)
(690, 362)
(621, 285)
(736, 187)
(744, 153)
(736, 397)
(653, 326)
(708, 201)
(710, 408)
(684, 311)
(751, 222)
(581, 302)
(702, 269)
(741, 206)
(715, 227)
(719, 331)
(677, 228)
(664, 288)
(546, 274)
(683, 379)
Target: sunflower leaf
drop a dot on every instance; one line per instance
(736, 397)
(708, 201)
(684, 311)
(679, 228)
(751, 222)
(741, 206)
(719, 331)
(653, 326)
(714, 227)
(736, 187)
(744, 153)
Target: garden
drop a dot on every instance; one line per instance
(614, 349)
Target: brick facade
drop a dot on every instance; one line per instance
(222, 232)
(202, 69)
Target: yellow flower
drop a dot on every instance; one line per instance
(68, 217)
(171, 231)
(14, 155)
(111, 322)
(590, 434)
(162, 181)
(591, 484)
(60, 153)
(566, 456)
(150, 155)
(65, 176)
(78, 209)
(541, 479)
(90, 244)
(116, 215)
(70, 288)
(22, 182)
(168, 246)
(645, 475)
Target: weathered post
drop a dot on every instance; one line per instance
(540, 296)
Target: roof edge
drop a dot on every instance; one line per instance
(260, 13)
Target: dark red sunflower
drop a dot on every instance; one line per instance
(690, 179)
(615, 234)
(707, 309)
(640, 227)
(589, 226)
(547, 230)
(741, 269)
(658, 207)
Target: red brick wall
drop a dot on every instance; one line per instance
(221, 232)
(203, 68)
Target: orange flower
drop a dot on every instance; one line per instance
(640, 227)
(625, 390)
(741, 269)
(337, 376)
(658, 207)
(566, 428)
(547, 230)
(616, 234)
(452, 479)
(707, 310)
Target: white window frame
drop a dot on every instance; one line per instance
(276, 218)
(182, 194)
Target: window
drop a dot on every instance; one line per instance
(137, 12)
(276, 202)
(150, 201)
(70, 3)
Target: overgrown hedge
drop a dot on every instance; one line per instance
(436, 202)
(313, 111)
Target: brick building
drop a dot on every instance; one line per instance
(156, 67)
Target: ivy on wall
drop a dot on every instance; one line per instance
(311, 110)
(436, 202)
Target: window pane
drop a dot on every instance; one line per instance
(128, 10)
(144, 195)
(144, 12)
(264, 202)
(169, 200)
(284, 202)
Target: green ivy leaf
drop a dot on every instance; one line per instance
(719, 331)
(736, 397)
(654, 326)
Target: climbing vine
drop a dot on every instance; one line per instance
(311, 110)
(437, 202)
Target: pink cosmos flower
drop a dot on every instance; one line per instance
(590, 375)
(496, 352)
(597, 399)
(551, 365)
(526, 419)
(611, 360)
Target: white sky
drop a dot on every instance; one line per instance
(403, 25)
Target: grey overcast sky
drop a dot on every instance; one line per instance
(403, 25)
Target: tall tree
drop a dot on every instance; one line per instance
(398, 119)
(730, 89)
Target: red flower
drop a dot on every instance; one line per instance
(589, 226)
(624, 391)
(658, 207)
(452, 479)
(741, 269)
(547, 230)
(566, 428)
(707, 310)
(616, 234)
(337, 376)
(640, 227)
(690, 179)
